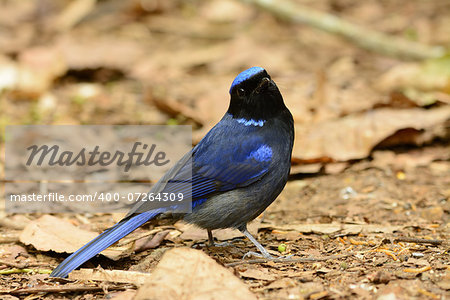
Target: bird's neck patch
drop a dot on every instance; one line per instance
(251, 122)
(244, 75)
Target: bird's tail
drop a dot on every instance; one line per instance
(103, 241)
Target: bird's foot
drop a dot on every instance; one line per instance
(264, 254)
(285, 256)
(223, 244)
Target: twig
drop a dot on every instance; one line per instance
(286, 260)
(61, 289)
(365, 38)
(417, 240)
(17, 271)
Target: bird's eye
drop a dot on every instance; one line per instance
(241, 92)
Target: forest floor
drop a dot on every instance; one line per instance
(365, 213)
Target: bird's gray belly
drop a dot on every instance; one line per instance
(236, 208)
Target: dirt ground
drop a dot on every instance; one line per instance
(370, 262)
(365, 214)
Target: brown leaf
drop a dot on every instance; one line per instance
(354, 136)
(260, 274)
(186, 273)
(87, 52)
(144, 243)
(126, 295)
(282, 283)
(411, 159)
(136, 278)
(49, 233)
(444, 283)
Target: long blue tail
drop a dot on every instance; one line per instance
(103, 241)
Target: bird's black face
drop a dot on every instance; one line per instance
(255, 96)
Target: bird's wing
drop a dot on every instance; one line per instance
(212, 168)
(237, 163)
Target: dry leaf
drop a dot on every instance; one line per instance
(136, 278)
(354, 136)
(126, 295)
(186, 273)
(87, 52)
(282, 283)
(430, 75)
(49, 233)
(34, 72)
(260, 274)
(147, 243)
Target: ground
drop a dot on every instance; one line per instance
(365, 213)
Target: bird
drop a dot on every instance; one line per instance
(235, 172)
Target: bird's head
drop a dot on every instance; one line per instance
(255, 96)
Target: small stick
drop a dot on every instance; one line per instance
(286, 260)
(61, 289)
(417, 240)
(17, 271)
(363, 37)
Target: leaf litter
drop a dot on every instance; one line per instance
(172, 63)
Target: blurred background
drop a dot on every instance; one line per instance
(368, 84)
(171, 62)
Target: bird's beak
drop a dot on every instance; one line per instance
(265, 82)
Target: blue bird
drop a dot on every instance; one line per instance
(238, 169)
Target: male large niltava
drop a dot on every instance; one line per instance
(238, 168)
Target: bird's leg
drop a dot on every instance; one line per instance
(210, 238)
(211, 242)
(260, 247)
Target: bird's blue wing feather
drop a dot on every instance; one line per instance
(237, 163)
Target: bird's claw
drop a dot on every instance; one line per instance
(256, 254)
(285, 256)
(266, 256)
(223, 244)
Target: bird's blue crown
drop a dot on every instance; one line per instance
(244, 75)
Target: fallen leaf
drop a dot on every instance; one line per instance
(411, 159)
(354, 136)
(282, 283)
(136, 278)
(430, 75)
(444, 283)
(16, 251)
(186, 273)
(49, 233)
(146, 243)
(126, 295)
(260, 274)
(86, 52)
(433, 214)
